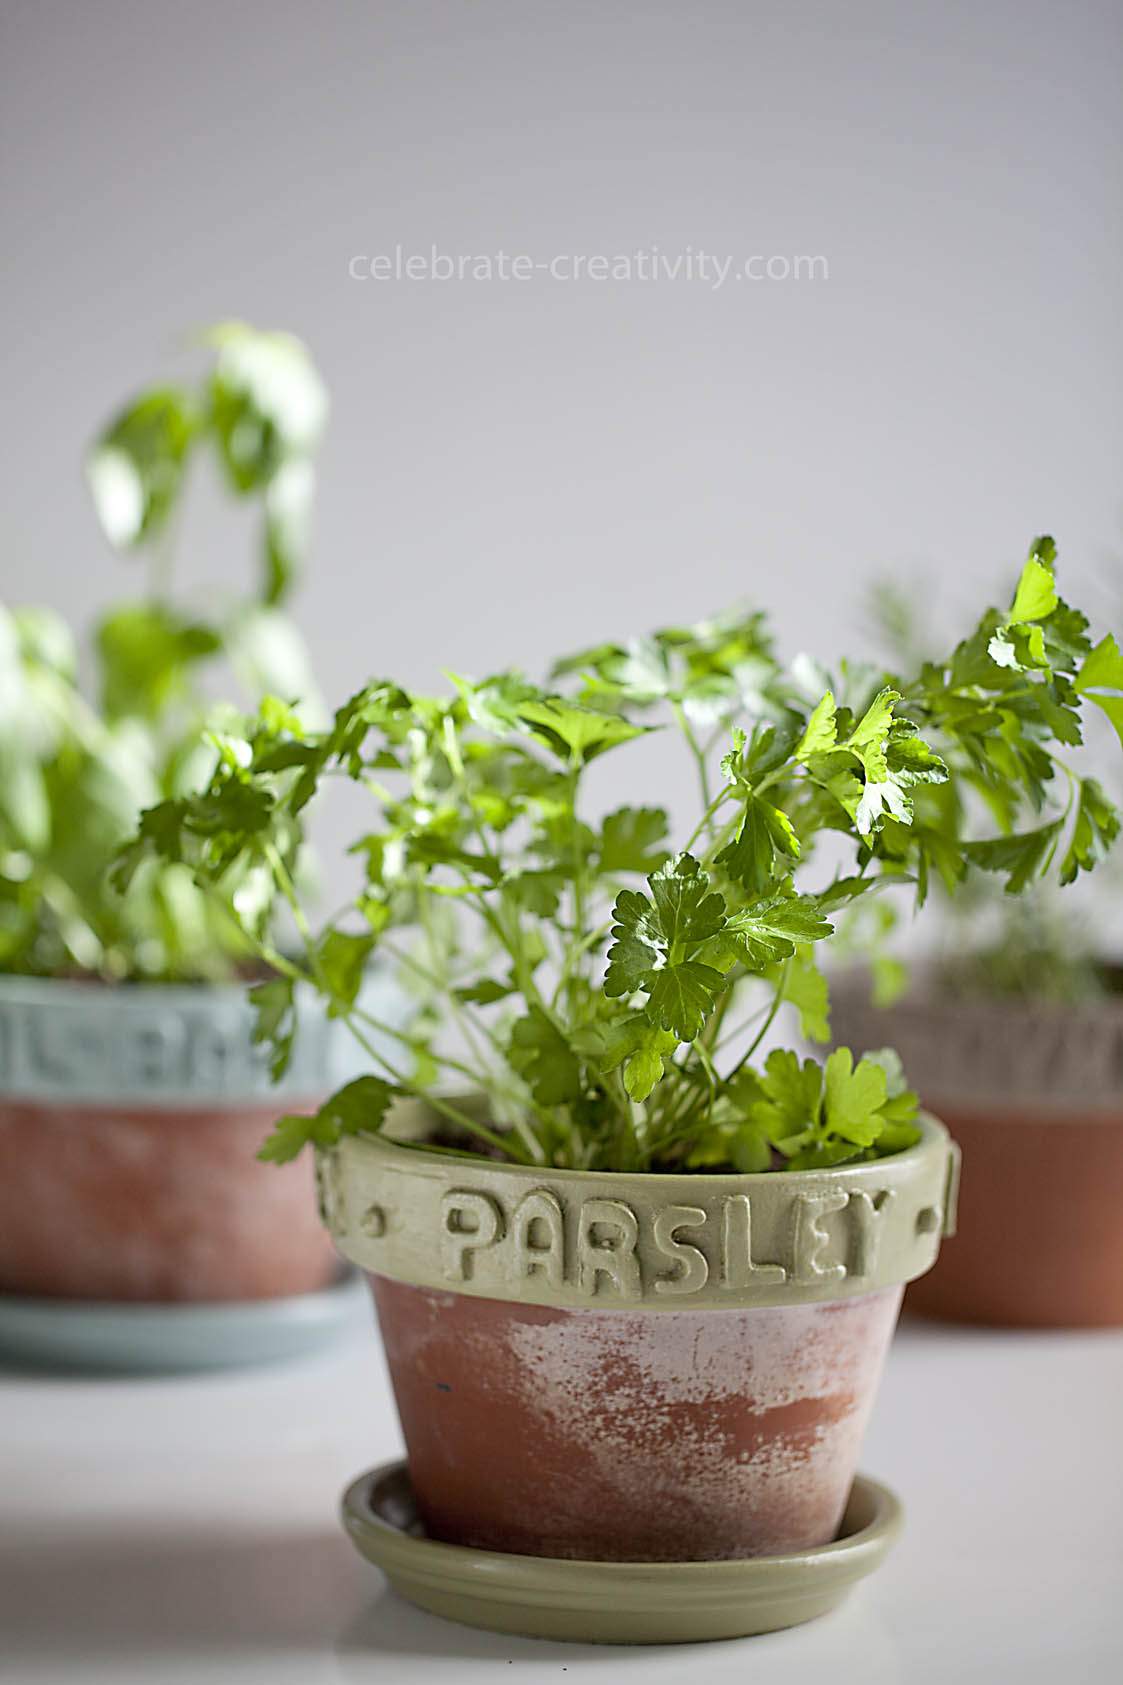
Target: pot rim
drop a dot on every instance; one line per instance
(582, 1239)
(925, 990)
(173, 1046)
(102, 992)
(1049, 1061)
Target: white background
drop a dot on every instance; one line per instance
(514, 470)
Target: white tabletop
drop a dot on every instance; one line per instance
(184, 1530)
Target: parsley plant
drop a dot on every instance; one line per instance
(609, 991)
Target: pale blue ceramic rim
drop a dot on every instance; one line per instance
(176, 1046)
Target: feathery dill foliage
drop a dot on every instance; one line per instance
(609, 988)
(77, 768)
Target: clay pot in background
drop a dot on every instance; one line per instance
(1033, 1093)
(634, 1367)
(130, 1117)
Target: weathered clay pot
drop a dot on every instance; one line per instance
(634, 1367)
(130, 1117)
(1033, 1093)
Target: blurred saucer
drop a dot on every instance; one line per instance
(96, 1335)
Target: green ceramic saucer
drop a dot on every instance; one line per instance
(613, 1602)
(153, 1339)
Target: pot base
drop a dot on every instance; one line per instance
(131, 1338)
(613, 1602)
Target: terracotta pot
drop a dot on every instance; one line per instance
(108, 1203)
(629, 1367)
(129, 1122)
(627, 1436)
(1033, 1093)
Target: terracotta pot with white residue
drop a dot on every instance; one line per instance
(634, 1368)
(1033, 1091)
(130, 1118)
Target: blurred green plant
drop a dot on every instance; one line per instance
(1023, 938)
(75, 768)
(612, 994)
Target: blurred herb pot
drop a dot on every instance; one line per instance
(1033, 1092)
(633, 1367)
(130, 1117)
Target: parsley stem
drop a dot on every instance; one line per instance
(738, 1030)
(446, 1108)
(630, 1147)
(288, 890)
(703, 824)
(777, 1002)
(286, 968)
(573, 954)
(708, 1066)
(442, 986)
(695, 749)
(578, 863)
(491, 848)
(725, 835)
(409, 1041)
(713, 1022)
(281, 963)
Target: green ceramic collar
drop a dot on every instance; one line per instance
(576, 1239)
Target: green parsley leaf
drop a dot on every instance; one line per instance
(544, 1059)
(575, 733)
(869, 737)
(1036, 595)
(766, 834)
(484, 993)
(806, 988)
(275, 1021)
(291, 1134)
(685, 910)
(653, 941)
(629, 840)
(681, 996)
(792, 1095)
(341, 960)
(358, 1108)
(1102, 670)
(1096, 828)
(268, 403)
(821, 732)
(135, 470)
(1024, 857)
(852, 1097)
(538, 892)
(641, 1048)
(769, 931)
(145, 653)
